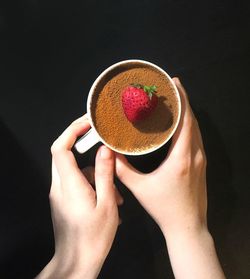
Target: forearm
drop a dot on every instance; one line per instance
(192, 254)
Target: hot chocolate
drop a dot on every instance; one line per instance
(109, 118)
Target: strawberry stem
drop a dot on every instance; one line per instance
(150, 90)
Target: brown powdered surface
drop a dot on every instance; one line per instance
(110, 120)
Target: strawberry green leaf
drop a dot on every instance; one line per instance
(154, 88)
(150, 89)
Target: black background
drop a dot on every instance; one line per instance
(50, 54)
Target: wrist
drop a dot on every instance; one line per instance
(192, 253)
(187, 230)
(69, 269)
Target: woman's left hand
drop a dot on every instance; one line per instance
(85, 219)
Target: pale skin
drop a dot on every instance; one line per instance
(175, 196)
(85, 219)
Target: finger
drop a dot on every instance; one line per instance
(182, 138)
(89, 173)
(70, 134)
(61, 149)
(64, 160)
(191, 117)
(199, 136)
(55, 182)
(118, 197)
(127, 174)
(55, 176)
(82, 118)
(104, 176)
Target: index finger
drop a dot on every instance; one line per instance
(67, 139)
(61, 149)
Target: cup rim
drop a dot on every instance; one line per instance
(99, 78)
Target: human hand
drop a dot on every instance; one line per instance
(175, 196)
(84, 220)
(175, 193)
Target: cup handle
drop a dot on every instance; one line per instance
(87, 141)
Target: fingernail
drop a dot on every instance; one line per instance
(177, 80)
(106, 153)
(81, 119)
(84, 118)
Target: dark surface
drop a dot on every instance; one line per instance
(52, 51)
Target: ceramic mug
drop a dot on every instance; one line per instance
(92, 137)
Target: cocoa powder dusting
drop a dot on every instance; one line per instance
(110, 120)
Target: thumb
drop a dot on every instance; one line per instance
(127, 174)
(182, 138)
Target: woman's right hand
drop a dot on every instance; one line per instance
(175, 196)
(175, 193)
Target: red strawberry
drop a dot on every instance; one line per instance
(139, 101)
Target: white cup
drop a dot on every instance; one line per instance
(92, 137)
